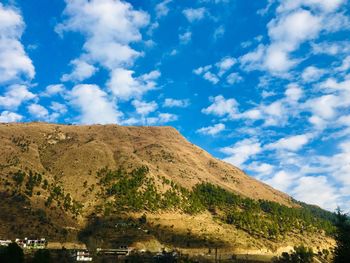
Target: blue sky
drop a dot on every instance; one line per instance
(264, 85)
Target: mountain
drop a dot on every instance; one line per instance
(147, 187)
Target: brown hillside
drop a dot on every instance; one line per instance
(50, 187)
(73, 153)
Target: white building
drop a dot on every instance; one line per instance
(83, 256)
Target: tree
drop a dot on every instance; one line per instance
(42, 256)
(300, 254)
(342, 237)
(12, 254)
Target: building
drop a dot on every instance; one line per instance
(83, 255)
(31, 243)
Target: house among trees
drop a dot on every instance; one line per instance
(31, 243)
(5, 243)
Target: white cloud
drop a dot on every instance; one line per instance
(185, 37)
(38, 111)
(202, 70)
(324, 107)
(144, 108)
(162, 118)
(194, 14)
(7, 116)
(58, 107)
(282, 180)
(15, 96)
(222, 107)
(167, 117)
(293, 93)
(273, 114)
(225, 64)
(211, 77)
(261, 169)
(316, 190)
(242, 151)
(109, 28)
(311, 74)
(171, 103)
(219, 32)
(345, 66)
(331, 48)
(292, 143)
(81, 71)
(287, 32)
(14, 62)
(162, 8)
(296, 22)
(94, 105)
(212, 130)
(53, 90)
(220, 68)
(234, 78)
(324, 5)
(124, 86)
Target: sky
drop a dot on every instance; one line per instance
(263, 85)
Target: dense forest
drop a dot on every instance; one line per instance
(137, 192)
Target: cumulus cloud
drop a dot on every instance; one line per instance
(225, 64)
(172, 103)
(38, 111)
(81, 71)
(219, 32)
(241, 151)
(293, 25)
(316, 190)
(162, 8)
(125, 86)
(234, 78)
(311, 74)
(162, 118)
(212, 130)
(58, 107)
(185, 37)
(93, 104)
(222, 107)
(144, 108)
(261, 169)
(291, 143)
(324, 5)
(211, 77)
(109, 28)
(53, 90)
(15, 96)
(214, 73)
(282, 180)
(194, 14)
(14, 62)
(7, 116)
(286, 33)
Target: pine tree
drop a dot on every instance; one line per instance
(342, 251)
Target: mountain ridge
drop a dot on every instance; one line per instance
(67, 178)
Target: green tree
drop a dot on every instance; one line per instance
(12, 254)
(42, 256)
(342, 237)
(300, 254)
